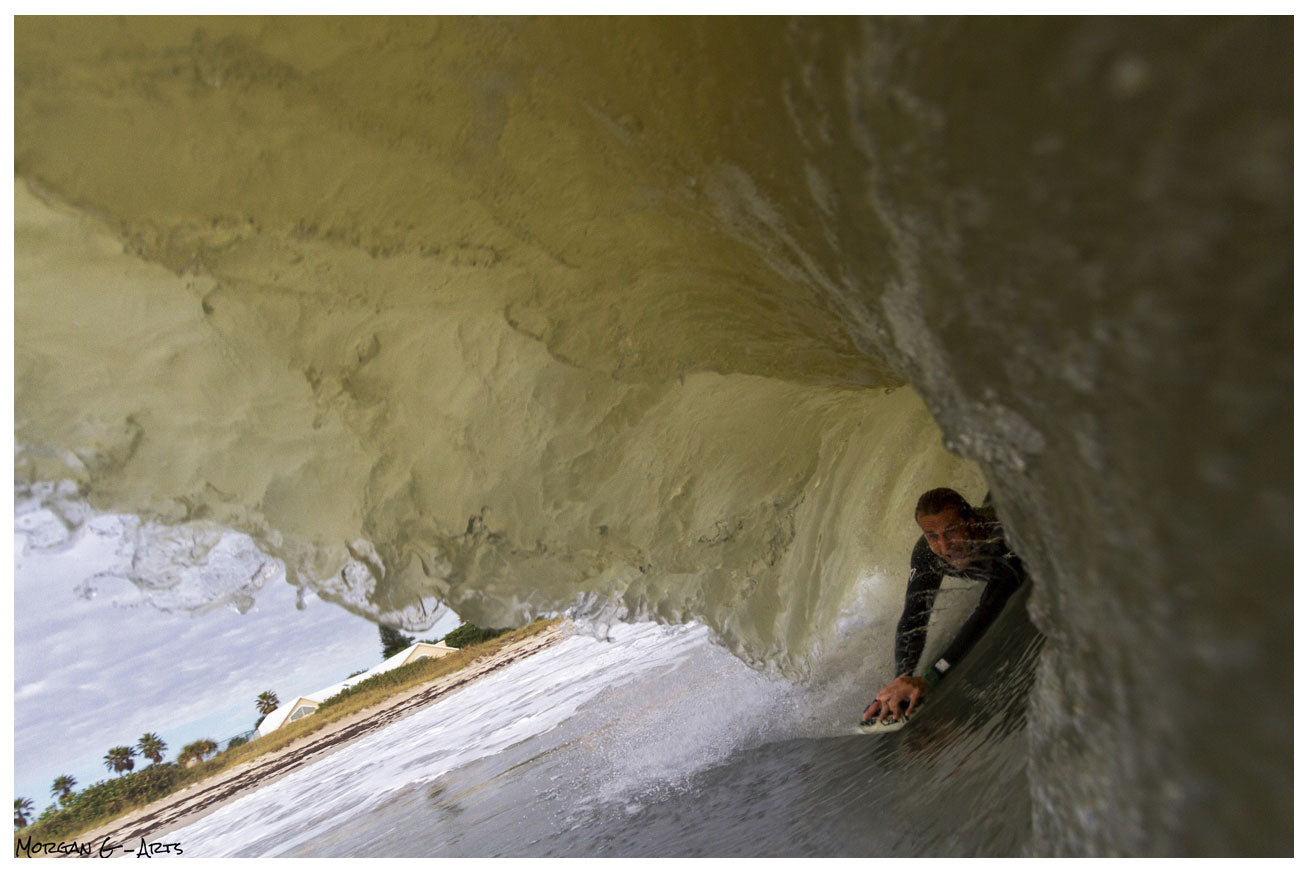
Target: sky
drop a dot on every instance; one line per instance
(98, 661)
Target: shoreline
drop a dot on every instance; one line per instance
(150, 823)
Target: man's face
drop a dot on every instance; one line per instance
(947, 534)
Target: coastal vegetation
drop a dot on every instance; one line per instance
(266, 702)
(119, 759)
(200, 760)
(196, 751)
(152, 747)
(62, 788)
(393, 641)
(103, 800)
(468, 634)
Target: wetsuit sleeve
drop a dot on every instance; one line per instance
(994, 597)
(921, 592)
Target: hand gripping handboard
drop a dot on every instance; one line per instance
(878, 726)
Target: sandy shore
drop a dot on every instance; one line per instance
(152, 822)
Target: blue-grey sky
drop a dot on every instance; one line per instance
(97, 662)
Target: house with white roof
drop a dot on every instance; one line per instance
(304, 705)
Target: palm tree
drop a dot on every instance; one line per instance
(267, 702)
(63, 787)
(196, 751)
(119, 759)
(22, 811)
(152, 747)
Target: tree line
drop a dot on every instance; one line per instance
(122, 759)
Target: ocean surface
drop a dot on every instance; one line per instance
(671, 320)
(653, 741)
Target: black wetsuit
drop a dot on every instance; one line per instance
(994, 564)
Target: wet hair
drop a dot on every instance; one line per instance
(934, 501)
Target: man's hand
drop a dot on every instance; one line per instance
(887, 705)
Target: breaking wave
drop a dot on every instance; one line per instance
(673, 319)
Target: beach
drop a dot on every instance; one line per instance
(150, 823)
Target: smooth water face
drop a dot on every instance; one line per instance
(674, 318)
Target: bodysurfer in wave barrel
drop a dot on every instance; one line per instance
(960, 541)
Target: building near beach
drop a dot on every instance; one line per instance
(304, 705)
